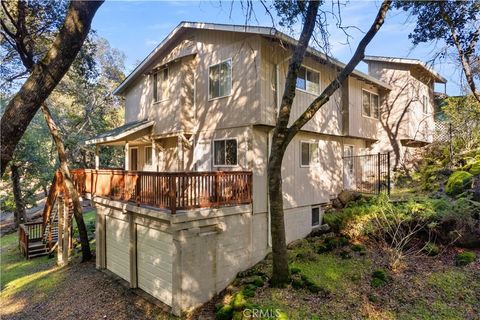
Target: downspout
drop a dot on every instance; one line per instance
(269, 217)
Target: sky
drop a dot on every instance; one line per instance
(137, 27)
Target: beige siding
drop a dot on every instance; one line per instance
(154, 262)
(358, 124)
(117, 242)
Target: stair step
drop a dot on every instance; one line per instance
(37, 254)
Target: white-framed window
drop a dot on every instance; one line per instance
(220, 79)
(309, 153)
(308, 80)
(148, 155)
(425, 104)
(160, 85)
(370, 104)
(225, 152)
(315, 216)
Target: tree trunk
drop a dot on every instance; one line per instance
(282, 134)
(45, 76)
(20, 213)
(77, 208)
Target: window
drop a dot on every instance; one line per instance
(370, 104)
(160, 85)
(148, 156)
(220, 79)
(425, 104)
(225, 152)
(309, 153)
(315, 216)
(308, 80)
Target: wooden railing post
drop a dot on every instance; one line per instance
(217, 189)
(173, 194)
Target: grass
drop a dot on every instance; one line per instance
(18, 274)
(429, 290)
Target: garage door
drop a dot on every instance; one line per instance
(117, 241)
(154, 263)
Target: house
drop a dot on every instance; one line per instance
(190, 210)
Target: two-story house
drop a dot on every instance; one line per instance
(199, 111)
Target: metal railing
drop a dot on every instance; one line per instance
(368, 173)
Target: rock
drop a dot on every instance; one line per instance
(337, 204)
(318, 231)
(347, 196)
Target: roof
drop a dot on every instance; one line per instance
(120, 132)
(412, 62)
(263, 31)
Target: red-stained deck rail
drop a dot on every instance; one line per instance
(170, 190)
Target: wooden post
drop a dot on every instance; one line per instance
(173, 194)
(127, 156)
(97, 157)
(154, 156)
(217, 188)
(66, 230)
(60, 256)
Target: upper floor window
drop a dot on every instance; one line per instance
(160, 85)
(309, 153)
(308, 80)
(225, 152)
(148, 155)
(370, 104)
(220, 79)
(425, 104)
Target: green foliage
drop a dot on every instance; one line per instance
(359, 248)
(257, 281)
(465, 258)
(379, 278)
(295, 271)
(239, 301)
(431, 249)
(474, 168)
(249, 290)
(458, 182)
(224, 313)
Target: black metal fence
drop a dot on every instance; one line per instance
(368, 173)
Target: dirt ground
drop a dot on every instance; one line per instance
(83, 293)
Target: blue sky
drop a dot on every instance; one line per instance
(136, 27)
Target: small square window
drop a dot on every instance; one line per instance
(308, 80)
(225, 152)
(148, 156)
(310, 154)
(370, 104)
(220, 80)
(315, 216)
(160, 85)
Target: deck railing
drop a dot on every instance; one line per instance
(29, 232)
(169, 190)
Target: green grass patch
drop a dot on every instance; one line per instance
(18, 274)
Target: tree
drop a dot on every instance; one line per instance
(283, 134)
(45, 74)
(455, 22)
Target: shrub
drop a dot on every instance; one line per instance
(379, 278)
(322, 249)
(358, 248)
(249, 290)
(295, 270)
(458, 182)
(224, 313)
(464, 258)
(431, 249)
(257, 281)
(344, 254)
(238, 301)
(475, 168)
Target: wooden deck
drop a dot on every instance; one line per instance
(168, 190)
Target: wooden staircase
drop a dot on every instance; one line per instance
(40, 238)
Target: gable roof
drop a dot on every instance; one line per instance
(120, 132)
(263, 31)
(413, 62)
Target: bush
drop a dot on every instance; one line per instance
(295, 270)
(257, 281)
(249, 290)
(224, 313)
(359, 248)
(238, 301)
(464, 258)
(344, 254)
(379, 278)
(458, 182)
(431, 249)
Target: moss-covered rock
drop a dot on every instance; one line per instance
(475, 168)
(458, 182)
(464, 258)
(379, 278)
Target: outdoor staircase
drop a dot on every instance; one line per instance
(40, 238)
